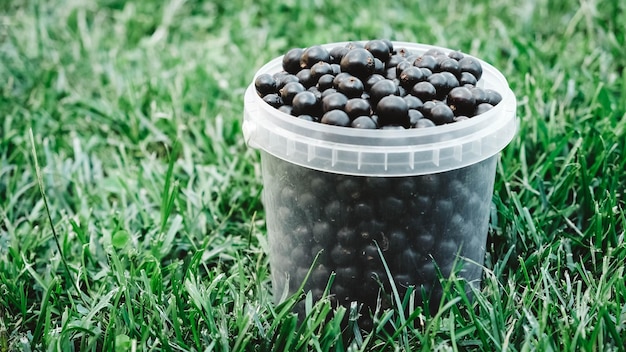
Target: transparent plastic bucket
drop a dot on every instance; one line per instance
(421, 197)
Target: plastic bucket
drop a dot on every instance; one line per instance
(421, 197)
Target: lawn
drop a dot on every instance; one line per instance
(130, 213)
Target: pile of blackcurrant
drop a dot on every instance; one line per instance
(423, 225)
(373, 85)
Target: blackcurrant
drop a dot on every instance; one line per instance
(410, 76)
(456, 55)
(336, 118)
(273, 99)
(369, 81)
(265, 84)
(382, 89)
(364, 122)
(426, 61)
(480, 95)
(316, 92)
(416, 90)
(358, 62)
(493, 97)
(328, 92)
(340, 77)
(291, 60)
(379, 66)
(356, 107)
(305, 103)
(306, 78)
(424, 90)
(352, 87)
(434, 52)
(467, 78)
(401, 66)
(482, 108)
(441, 114)
(325, 82)
(312, 55)
(282, 79)
(391, 73)
(389, 44)
(336, 53)
(461, 101)
(379, 49)
(392, 127)
(335, 101)
(424, 123)
(414, 116)
(306, 118)
(413, 102)
(450, 65)
(427, 106)
(290, 90)
(443, 83)
(286, 109)
(394, 60)
(320, 68)
(393, 110)
(471, 65)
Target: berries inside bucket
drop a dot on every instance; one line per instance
(376, 86)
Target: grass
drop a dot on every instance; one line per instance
(153, 238)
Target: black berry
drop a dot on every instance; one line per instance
(471, 65)
(493, 97)
(265, 84)
(382, 89)
(273, 100)
(325, 82)
(291, 60)
(364, 122)
(461, 101)
(441, 114)
(443, 83)
(319, 69)
(369, 81)
(335, 101)
(450, 65)
(456, 55)
(424, 90)
(312, 55)
(358, 62)
(356, 107)
(336, 118)
(413, 102)
(424, 123)
(414, 117)
(467, 78)
(410, 76)
(379, 49)
(306, 78)
(426, 61)
(290, 90)
(305, 103)
(337, 53)
(281, 80)
(482, 108)
(352, 87)
(393, 110)
(340, 77)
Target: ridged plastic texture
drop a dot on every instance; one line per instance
(384, 153)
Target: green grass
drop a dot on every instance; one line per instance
(153, 236)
